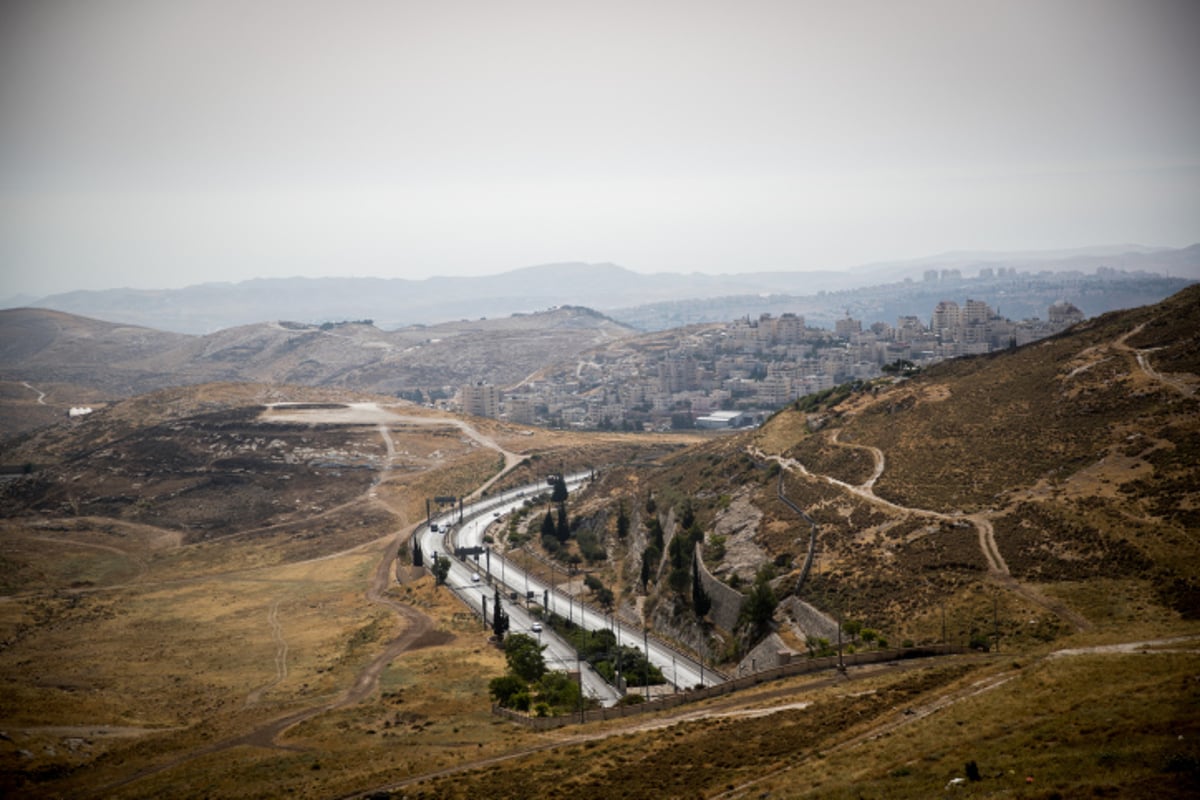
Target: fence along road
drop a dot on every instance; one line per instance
(680, 669)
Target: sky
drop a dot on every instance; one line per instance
(164, 143)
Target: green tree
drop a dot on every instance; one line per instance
(650, 558)
(590, 545)
(687, 514)
(418, 558)
(622, 521)
(524, 656)
(677, 551)
(558, 494)
(441, 569)
(701, 602)
(654, 528)
(563, 529)
(505, 688)
(678, 579)
(548, 528)
(760, 604)
(499, 618)
(558, 690)
(681, 421)
(604, 596)
(901, 366)
(819, 648)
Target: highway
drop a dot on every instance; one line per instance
(493, 569)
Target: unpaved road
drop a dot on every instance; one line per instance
(418, 630)
(997, 567)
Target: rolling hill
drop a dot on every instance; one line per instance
(184, 608)
(50, 361)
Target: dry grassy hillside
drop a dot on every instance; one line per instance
(201, 600)
(51, 361)
(1080, 454)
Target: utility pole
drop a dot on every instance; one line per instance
(646, 666)
(995, 618)
(579, 677)
(841, 662)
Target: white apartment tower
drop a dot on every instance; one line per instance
(480, 400)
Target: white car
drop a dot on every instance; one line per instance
(536, 627)
(475, 578)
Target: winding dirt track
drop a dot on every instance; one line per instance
(997, 567)
(41, 396)
(1142, 357)
(417, 626)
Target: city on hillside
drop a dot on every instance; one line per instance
(735, 374)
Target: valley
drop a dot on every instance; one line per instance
(209, 589)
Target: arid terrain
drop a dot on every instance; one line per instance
(202, 596)
(51, 361)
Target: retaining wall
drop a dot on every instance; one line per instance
(726, 601)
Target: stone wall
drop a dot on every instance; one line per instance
(726, 601)
(810, 622)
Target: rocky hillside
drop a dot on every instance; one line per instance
(1030, 493)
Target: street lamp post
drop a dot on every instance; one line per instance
(646, 665)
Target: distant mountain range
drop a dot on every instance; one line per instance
(395, 303)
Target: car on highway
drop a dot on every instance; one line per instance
(536, 627)
(475, 578)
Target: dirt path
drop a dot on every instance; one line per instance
(987, 544)
(730, 706)
(417, 628)
(511, 460)
(281, 649)
(138, 561)
(1142, 356)
(987, 536)
(880, 462)
(41, 396)
(415, 631)
(942, 701)
(997, 567)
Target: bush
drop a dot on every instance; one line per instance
(506, 688)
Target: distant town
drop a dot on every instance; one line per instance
(731, 375)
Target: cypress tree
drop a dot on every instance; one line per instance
(562, 530)
(701, 602)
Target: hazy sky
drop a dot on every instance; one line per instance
(160, 143)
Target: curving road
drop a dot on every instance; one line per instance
(495, 570)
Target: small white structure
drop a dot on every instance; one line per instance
(79, 411)
(723, 419)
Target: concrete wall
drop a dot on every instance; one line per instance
(811, 622)
(726, 601)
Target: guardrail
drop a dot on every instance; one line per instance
(615, 616)
(801, 667)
